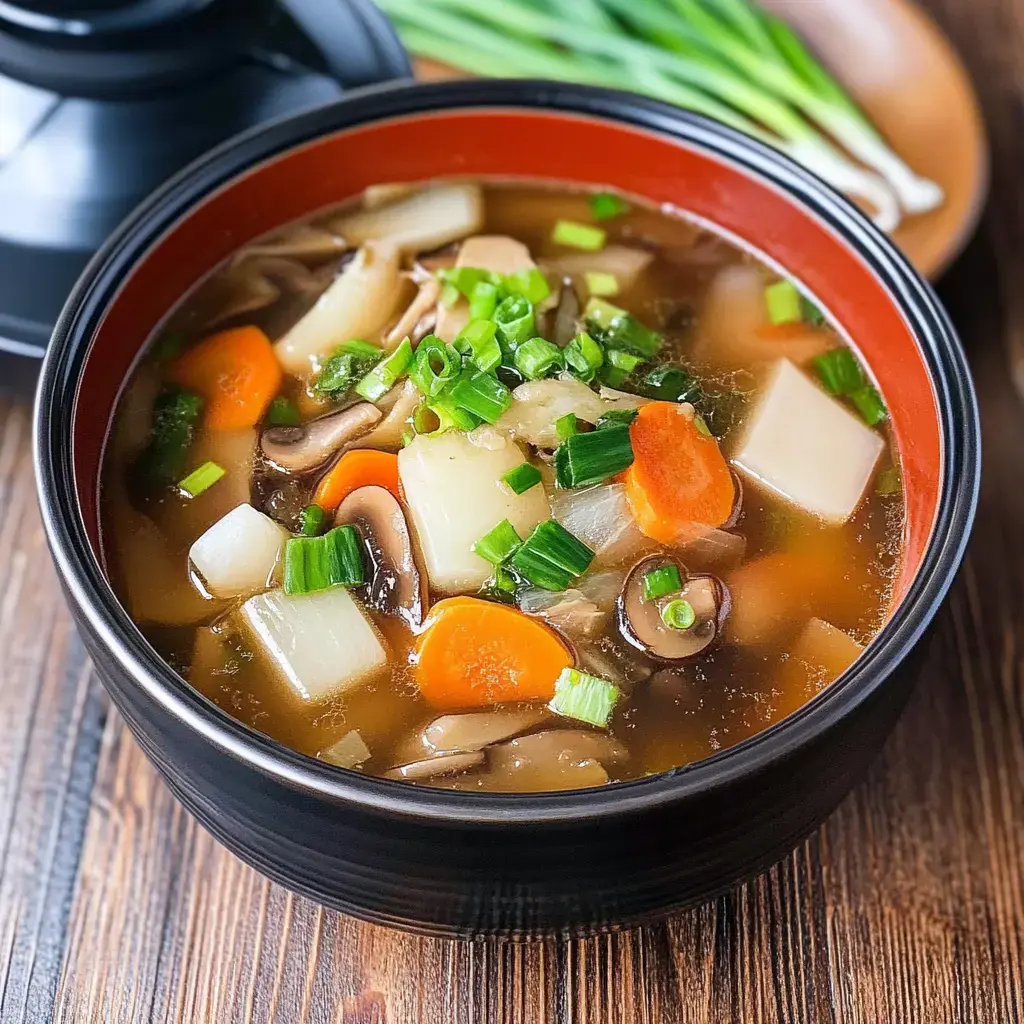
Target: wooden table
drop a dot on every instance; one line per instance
(907, 906)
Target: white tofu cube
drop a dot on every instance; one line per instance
(322, 644)
(237, 555)
(808, 447)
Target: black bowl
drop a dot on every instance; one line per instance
(470, 864)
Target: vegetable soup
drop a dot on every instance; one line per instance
(501, 486)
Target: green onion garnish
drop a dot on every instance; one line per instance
(450, 415)
(530, 283)
(169, 345)
(522, 478)
(515, 320)
(362, 350)
(434, 366)
(336, 374)
(868, 403)
(600, 283)
(585, 459)
(661, 581)
(312, 564)
(584, 697)
(500, 544)
(311, 521)
(484, 301)
(425, 420)
(465, 279)
(617, 417)
(624, 361)
(618, 329)
(678, 614)
(602, 313)
(501, 586)
(668, 384)
(583, 356)
(537, 358)
(566, 426)
(282, 413)
(449, 295)
(810, 312)
(889, 482)
(480, 394)
(175, 416)
(383, 377)
(783, 302)
(701, 424)
(606, 205)
(839, 371)
(578, 236)
(551, 557)
(478, 340)
(201, 479)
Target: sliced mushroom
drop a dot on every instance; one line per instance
(640, 620)
(299, 449)
(476, 730)
(300, 242)
(416, 315)
(397, 586)
(403, 399)
(435, 767)
(567, 315)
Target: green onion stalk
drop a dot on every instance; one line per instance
(725, 59)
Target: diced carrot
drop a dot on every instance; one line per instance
(679, 477)
(475, 653)
(237, 374)
(799, 342)
(360, 468)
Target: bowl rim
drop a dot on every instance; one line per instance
(86, 585)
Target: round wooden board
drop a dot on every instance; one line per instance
(907, 76)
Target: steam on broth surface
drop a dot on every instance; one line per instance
(502, 487)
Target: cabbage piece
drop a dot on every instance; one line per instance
(238, 554)
(601, 518)
(321, 645)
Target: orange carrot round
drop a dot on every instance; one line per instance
(359, 468)
(679, 476)
(475, 653)
(237, 374)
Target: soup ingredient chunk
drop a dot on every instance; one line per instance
(679, 478)
(235, 372)
(360, 468)
(301, 448)
(474, 653)
(238, 554)
(349, 752)
(455, 495)
(320, 645)
(805, 446)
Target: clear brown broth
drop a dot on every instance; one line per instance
(719, 699)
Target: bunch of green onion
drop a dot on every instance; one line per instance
(727, 59)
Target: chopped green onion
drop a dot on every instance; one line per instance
(484, 301)
(382, 378)
(536, 358)
(585, 459)
(701, 424)
(478, 340)
(312, 564)
(783, 302)
(584, 697)
(602, 313)
(169, 345)
(465, 279)
(662, 581)
(408, 436)
(515, 319)
(450, 415)
(868, 402)
(810, 312)
(362, 350)
(425, 420)
(616, 417)
(678, 614)
(583, 356)
(500, 544)
(551, 557)
(481, 394)
(618, 329)
(449, 295)
(668, 384)
(434, 366)
(566, 426)
(336, 374)
(176, 414)
(578, 236)
(612, 376)
(522, 477)
(201, 479)
(839, 371)
(606, 205)
(889, 482)
(283, 413)
(600, 283)
(501, 586)
(311, 521)
(530, 283)
(624, 361)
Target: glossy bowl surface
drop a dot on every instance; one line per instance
(459, 863)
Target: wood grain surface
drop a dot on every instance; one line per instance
(907, 906)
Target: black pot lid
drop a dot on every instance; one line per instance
(88, 131)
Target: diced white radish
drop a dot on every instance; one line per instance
(425, 220)
(359, 304)
(820, 655)
(237, 555)
(321, 645)
(808, 448)
(455, 496)
(349, 752)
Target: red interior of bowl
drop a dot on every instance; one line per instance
(533, 144)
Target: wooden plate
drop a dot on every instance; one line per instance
(905, 73)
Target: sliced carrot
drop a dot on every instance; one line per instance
(359, 468)
(679, 477)
(474, 653)
(237, 374)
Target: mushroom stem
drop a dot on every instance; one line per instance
(300, 449)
